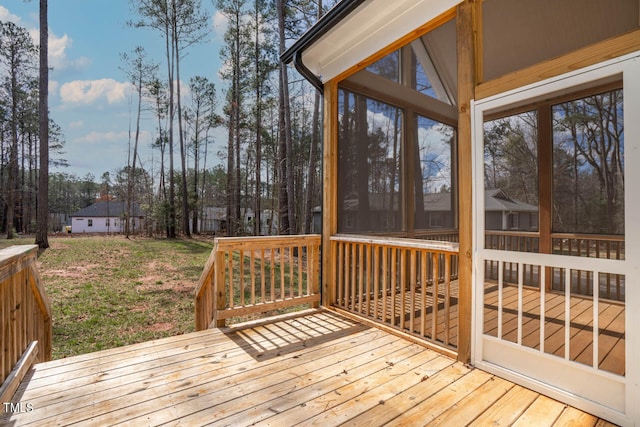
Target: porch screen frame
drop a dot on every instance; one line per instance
(629, 67)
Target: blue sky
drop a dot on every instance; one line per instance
(89, 94)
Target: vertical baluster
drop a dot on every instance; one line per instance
(340, 266)
(618, 285)
(403, 287)
(392, 284)
(520, 295)
(292, 274)
(263, 284)
(376, 280)
(283, 294)
(434, 319)
(579, 243)
(300, 265)
(608, 274)
(543, 300)
(232, 295)
(252, 266)
(354, 270)
(360, 277)
(368, 281)
(567, 314)
(241, 275)
(385, 282)
(596, 318)
(424, 271)
(347, 275)
(413, 289)
(273, 274)
(447, 298)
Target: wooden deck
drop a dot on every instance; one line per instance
(314, 369)
(611, 329)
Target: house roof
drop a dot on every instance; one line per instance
(498, 200)
(106, 209)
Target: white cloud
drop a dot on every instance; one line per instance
(87, 92)
(76, 124)
(219, 24)
(58, 48)
(5, 16)
(98, 137)
(95, 137)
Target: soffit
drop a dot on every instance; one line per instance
(372, 26)
(517, 34)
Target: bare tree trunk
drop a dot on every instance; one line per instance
(42, 209)
(231, 230)
(13, 158)
(313, 160)
(286, 178)
(183, 154)
(258, 82)
(171, 229)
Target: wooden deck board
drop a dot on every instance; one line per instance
(611, 325)
(316, 368)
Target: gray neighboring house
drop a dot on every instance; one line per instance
(504, 213)
(106, 217)
(501, 212)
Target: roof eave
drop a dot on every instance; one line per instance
(313, 34)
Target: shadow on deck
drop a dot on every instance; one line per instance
(316, 367)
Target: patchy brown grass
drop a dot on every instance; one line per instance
(108, 291)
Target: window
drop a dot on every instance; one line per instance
(436, 220)
(397, 141)
(588, 164)
(107, 222)
(433, 174)
(581, 157)
(89, 223)
(348, 223)
(369, 180)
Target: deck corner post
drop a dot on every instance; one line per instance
(219, 289)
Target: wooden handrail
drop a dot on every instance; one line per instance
(25, 310)
(282, 271)
(431, 245)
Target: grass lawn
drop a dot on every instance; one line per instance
(109, 291)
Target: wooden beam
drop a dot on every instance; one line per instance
(466, 84)
(381, 88)
(590, 55)
(330, 185)
(478, 41)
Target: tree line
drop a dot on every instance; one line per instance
(22, 119)
(271, 120)
(270, 116)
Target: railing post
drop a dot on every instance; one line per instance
(219, 288)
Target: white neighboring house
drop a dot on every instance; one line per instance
(105, 217)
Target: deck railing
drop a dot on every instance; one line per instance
(402, 283)
(250, 275)
(25, 317)
(572, 244)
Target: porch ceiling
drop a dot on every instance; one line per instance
(514, 34)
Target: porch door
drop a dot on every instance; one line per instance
(556, 252)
